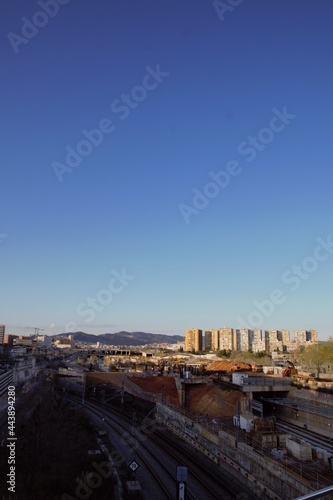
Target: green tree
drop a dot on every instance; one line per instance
(224, 353)
(317, 355)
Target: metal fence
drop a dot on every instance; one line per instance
(6, 379)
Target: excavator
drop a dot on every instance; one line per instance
(291, 370)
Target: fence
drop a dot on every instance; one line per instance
(6, 379)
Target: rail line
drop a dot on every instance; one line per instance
(311, 437)
(123, 431)
(198, 473)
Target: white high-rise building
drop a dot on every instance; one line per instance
(305, 337)
(257, 341)
(226, 338)
(243, 336)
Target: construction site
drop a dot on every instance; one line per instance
(256, 421)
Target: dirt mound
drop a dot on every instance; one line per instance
(211, 400)
(204, 399)
(158, 385)
(228, 366)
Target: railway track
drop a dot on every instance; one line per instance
(165, 455)
(161, 484)
(214, 474)
(310, 437)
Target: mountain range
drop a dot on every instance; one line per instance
(124, 338)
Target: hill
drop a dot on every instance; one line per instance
(124, 338)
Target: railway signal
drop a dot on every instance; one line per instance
(133, 466)
(181, 482)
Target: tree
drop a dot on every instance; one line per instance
(317, 355)
(224, 353)
(5, 357)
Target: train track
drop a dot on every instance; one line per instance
(162, 487)
(215, 475)
(167, 454)
(310, 437)
(197, 464)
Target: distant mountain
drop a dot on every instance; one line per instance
(124, 338)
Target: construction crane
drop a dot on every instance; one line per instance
(36, 329)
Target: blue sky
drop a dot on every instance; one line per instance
(196, 88)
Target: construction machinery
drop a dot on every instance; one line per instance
(257, 368)
(291, 370)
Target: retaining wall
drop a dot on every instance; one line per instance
(260, 473)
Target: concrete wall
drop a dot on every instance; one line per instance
(267, 477)
(299, 449)
(24, 371)
(311, 395)
(302, 418)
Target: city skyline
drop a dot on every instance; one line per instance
(245, 340)
(166, 165)
(52, 331)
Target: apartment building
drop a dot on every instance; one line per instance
(2, 334)
(257, 340)
(227, 339)
(273, 340)
(245, 339)
(211, 340)
(243, 336)
(304, 337)
(193, 340)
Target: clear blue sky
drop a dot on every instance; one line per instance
(122, 207)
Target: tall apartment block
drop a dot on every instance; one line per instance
(193, 340)
(2, 334)
(227, 339)
(273, 340)
(212, 340)
(303, 337)
(243, 336)
(245, 339)
(285, 337)
(314, 335)
(257, 340)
